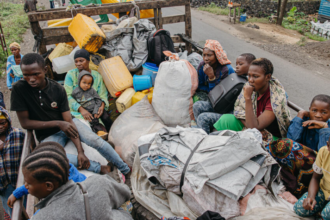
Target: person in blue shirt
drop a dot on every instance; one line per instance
(56, 148)
(13, 60)
(214, 67)
(204, 113)
(312, 128)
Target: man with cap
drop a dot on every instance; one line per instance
(42, 105)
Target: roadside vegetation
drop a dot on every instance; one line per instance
(297, 21)
(14, 22)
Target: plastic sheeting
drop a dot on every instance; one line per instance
(130, 42)
(142, 29)
(210, 199)
(156, 199)
(138, 120)
(163, 154)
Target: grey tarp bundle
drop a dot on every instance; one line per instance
(119, 43)
(130, 43)
(155, 198)
(142, 29)
(170, 147)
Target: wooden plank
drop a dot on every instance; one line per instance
(104, 9)
(177, 39)
(18, 209)
(62, 31)
(160, 18)
(156, 20)
(56, 40)
(174, 19)
(188, 27)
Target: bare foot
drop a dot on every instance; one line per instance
(105, 169)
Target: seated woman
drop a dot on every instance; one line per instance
(13, 60)
(71, 82)
(308, 132)
(262, 104)
(214, 68)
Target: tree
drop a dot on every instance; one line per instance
(282, 11)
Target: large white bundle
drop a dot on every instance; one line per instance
(175, 84)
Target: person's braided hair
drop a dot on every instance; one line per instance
(48, 162)
(265, 64)
(322, 98)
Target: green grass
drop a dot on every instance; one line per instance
(212, 8)
(14, 22)
(314, 37)
(298, 21)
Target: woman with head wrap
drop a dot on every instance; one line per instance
(13, 60)
(214, 68)
(82, 58)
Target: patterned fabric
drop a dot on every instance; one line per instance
(11, 62)
(322, 206)
(71, 83)
(161, 161)
(219, 53)
(278, 100)
(205, 115)
(11, 154)
(127, 206)
(296, 161)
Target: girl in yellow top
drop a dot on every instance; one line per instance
(318, 196)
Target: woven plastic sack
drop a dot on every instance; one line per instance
(175, 84)
(138, 120)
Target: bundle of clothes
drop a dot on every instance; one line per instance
(207, 172)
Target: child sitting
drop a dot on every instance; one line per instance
(46, 175)
(204, 113)
(311, 128)
(88, 98)
(243, 63)
(58, 151)
(316, 200)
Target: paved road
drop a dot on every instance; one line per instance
(300, 84)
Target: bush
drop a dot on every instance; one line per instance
(14, 22)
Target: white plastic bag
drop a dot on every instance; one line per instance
(138, 120)
(175, 84)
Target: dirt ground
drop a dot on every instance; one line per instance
(314, 56)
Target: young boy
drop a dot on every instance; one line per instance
(243, 63)
(11, 146)
(41, 104)
(203, 111)
(311, 128)
(88, 98)
(317, 198)
(46, 175)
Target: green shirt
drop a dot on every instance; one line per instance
(71, 82)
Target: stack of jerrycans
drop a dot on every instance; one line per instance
(115, 75)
